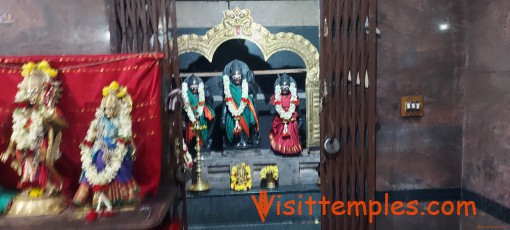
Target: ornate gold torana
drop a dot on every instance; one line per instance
(238, 24)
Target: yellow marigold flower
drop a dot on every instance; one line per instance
(270, 169)
(36, 192)
(122, 92)
(27, 68)
(25, 73)
(52, 72)
(43, 65)
(106, 90)
(114, 85)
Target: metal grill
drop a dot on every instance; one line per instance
(347, 76)
(140, 26)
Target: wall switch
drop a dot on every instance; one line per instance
(411, 106)
(6, 18)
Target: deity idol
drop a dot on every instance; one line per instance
(35, 140)
(199, 115)
(107, 155)
(239, 119)
(284, 133)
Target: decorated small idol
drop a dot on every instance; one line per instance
(240, 177)
(284, 133)
(107, 155)
(198, 111)
(270, 175)
(35, 140)
(239, 119)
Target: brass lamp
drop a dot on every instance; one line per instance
(199, 185)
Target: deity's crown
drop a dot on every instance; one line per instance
(42, 66)
(115, 90)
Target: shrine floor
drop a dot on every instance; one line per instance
(222, 208)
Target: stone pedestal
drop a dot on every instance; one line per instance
(293, 170)
(225, 209)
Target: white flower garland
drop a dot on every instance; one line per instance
(193, 115)
(22, 94)
(285, 115)
(236, 113)
(95, 131)
(31, 138)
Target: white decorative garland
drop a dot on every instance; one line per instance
(193, 115)
(236, 113)
(31, 138)
(95, 132)
(285, 115)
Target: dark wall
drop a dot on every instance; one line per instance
(54, 27)
(486, 162)
(416, 57)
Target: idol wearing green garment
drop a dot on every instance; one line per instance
(239, 122)
(198, 112)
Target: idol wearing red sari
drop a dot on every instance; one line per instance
(285, 140)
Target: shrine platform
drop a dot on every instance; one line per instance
(293, 170)
(222, 208)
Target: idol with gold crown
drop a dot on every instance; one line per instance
(35, 141)
(107, 156)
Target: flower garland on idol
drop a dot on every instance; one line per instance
(236, 113)
(95, 131)
(29, 138)
(192, 115)
(286, 116)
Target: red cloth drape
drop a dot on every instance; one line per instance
(83, 78)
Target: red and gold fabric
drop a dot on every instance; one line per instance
(83, 78)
